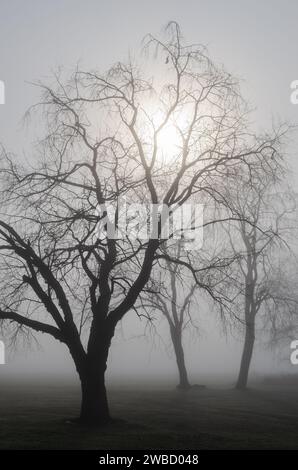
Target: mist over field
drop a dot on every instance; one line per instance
(212, 359)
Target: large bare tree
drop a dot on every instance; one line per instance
(107, 136)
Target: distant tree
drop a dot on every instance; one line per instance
(178, 296)
(259, 238)
(109, 136)
(172, 294)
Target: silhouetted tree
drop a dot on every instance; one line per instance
(259, 238)
(109, 136)
(175, 293)
(172, 294)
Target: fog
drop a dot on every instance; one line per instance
(140, 356)
(256, 41)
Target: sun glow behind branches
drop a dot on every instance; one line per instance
(169, 142)
(168, 134)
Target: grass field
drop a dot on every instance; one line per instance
(36, 417)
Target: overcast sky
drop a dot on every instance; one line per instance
(257, 41)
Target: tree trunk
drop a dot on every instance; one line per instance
(246, 355)
(94, 405)
(91, 367)
(179, 353)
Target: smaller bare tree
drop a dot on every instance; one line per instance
(173, 297)
(179, 283)
(258, 237)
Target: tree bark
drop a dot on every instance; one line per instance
(179, 353)
(246, 355)
(94, 405)
(91, 369)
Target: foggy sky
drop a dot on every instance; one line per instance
(256, 41)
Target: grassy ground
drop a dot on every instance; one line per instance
(36, 418)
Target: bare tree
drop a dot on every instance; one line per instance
(107, 136)
(259, 238)
(178, 296)
(172, 294)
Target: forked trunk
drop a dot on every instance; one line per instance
(246, 355)
(179, 353)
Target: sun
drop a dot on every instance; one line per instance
(166, 132)
(169, 142)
